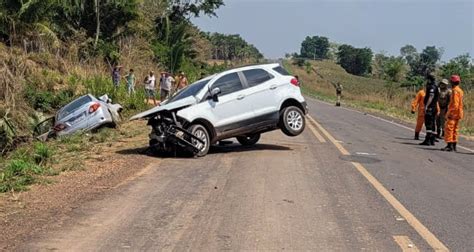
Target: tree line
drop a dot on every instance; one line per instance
(408, 68)
(232, 47)
(98, 26)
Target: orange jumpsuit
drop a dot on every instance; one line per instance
(419, 104)
(454, 114)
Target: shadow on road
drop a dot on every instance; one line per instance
(407, 143)
(439, 150)
(239, 148)
(216, 149)
(405, 138)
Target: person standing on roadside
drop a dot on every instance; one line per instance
(130, 78)
(338, 94)
(431, 109)
(166, 83)
(116, 76)
(444, 97)
(418, 104)
(454, 114)
(182, 81)
(150, 87)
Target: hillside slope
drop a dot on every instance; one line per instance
(377, 95)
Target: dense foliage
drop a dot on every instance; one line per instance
(357, 61)
(232, 47)
(315, 47)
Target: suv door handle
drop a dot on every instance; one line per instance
(240, 97)
(272, 87)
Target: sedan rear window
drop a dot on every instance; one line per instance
(281, 71)
(256, 76)
(73, 106)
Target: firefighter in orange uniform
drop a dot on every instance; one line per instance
(418, 104)
(454, 115)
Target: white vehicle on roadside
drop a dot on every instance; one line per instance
(243, 103)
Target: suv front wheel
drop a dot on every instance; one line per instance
(292, 121)
(200, 132)
(248, 140)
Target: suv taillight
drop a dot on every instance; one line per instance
(94, 107)
(295, 82)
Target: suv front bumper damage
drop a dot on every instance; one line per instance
(170, 137)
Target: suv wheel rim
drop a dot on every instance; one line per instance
(294, 120)
(201, 135)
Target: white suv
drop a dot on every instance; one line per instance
(242, 103)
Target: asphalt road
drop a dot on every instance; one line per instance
(313, 192)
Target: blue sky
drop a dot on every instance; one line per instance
(279, 26)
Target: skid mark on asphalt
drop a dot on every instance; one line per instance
(426, 234)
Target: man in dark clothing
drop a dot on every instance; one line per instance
(444, 96)
(431, 109)
(338, 94)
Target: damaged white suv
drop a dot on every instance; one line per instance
(243, 103)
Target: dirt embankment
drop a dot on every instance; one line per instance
(24, 214)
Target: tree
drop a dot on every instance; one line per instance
(315, 47)
(425, 62)
(394, 68)
(232, 47)
(409, 53)
(389, 68)
(357, 61)
(463, 66)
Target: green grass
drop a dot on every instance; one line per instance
(21, 170)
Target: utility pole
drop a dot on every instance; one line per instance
(97, 17)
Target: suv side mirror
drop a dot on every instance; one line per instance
(215, 94)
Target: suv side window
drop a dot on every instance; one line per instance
(281, 71)
(257, 76)
(228, 84)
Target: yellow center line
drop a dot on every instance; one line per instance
(330, 137)
(405, 244)
(316, 133)
(429, 237)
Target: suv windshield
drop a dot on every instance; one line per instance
(71, 107)
(191, 90)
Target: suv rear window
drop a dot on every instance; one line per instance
(256, 76)
(228, 84)
(281, 71)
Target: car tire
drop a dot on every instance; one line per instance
(248, 140)
(201, 132)
(292, 121)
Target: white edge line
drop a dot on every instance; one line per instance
(382, 119)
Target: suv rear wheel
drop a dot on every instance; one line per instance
(200, 132)
(292, 121)
(248, 140)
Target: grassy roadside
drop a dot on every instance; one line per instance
(367, 94)
(37, 162)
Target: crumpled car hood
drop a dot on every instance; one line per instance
(188, 101)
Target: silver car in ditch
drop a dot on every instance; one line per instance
(83, 114)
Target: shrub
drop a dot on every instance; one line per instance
(42, 154)
(18, 174)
